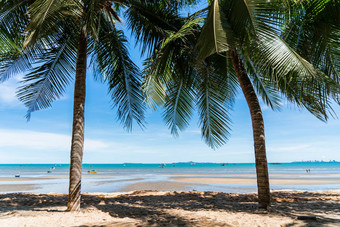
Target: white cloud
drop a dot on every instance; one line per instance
(7, 92)
(293, 147)
(43, 140)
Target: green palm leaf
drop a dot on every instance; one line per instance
(49, 77)
(315, 34)
(178, 106)
(150, 22)
(13, 15)
(50, 18)
(216, 91)
(121, 74)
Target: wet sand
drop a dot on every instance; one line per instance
(18, 179)
(168, 183)
(18, 187)
(160, 185)
(249, 181)
(308, 175)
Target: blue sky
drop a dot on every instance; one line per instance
(291, 134)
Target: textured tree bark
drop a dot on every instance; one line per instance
(78, 127)
(258, 130)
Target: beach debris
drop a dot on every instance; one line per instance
(306, 217)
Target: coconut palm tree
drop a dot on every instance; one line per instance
(314, 33)
(51, 41)
(240, 45)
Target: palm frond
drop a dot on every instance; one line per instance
(13, 61)
(51, 73)
(216, 91)
(188, 29)
(169, 79)
(314, 33)
(230, 22)
(178, 105)
(149, 22)
(13, 17)
(12, 24)
(121, 74)
(213, 38)
(50, 17)
(154, 87)
(266, 88)
(171, 75)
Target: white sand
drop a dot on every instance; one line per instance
(156, 208)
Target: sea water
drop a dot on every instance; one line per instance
(113, 177)
(36, 170)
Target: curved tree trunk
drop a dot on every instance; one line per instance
(78, 127)
(258, 130)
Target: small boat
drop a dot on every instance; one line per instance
(17, 175)
(49, 171)
(92, 171)
(223, 164)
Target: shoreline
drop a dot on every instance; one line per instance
(170, 182)
(252, 181)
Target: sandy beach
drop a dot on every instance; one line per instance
(165, 208)
(277, 181)
(171, 199)
(172, 182)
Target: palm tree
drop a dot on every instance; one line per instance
(51, 41)
(314, 33)
(240, 44)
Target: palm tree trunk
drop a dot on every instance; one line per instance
(78, 127)
(258, 130)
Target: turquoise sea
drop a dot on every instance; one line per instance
(114, 177)
(8, 170)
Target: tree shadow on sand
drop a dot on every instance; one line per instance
(152, 208)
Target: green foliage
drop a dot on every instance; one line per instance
(121, 74)
(278, 58)
(175, 81)
(255, 29)
(13, 20)
(40, 39)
